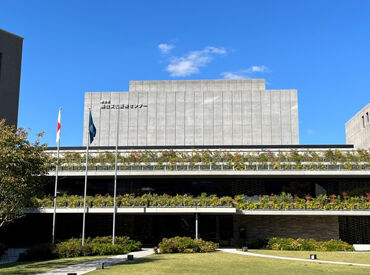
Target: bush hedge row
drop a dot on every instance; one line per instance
(206, 156)
(73, 248)
(283, 201)
(300, 244)
(186, 245)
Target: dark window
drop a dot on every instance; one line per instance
(367, 116)
(363, 122)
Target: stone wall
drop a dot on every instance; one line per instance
(320, 228)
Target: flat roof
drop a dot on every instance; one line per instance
(329, 146)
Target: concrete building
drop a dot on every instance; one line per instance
(182, 139)
(358, 129)
(10, 75)
(194, 112)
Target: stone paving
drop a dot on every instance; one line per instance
(91, 265)
(233, 250)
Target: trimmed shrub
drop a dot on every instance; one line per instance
(96, 246)
(307, 245)
(73, 248)
(186, 245)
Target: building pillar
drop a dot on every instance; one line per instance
(196, 226)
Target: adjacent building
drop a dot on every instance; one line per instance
(10, 75)
(358, 129)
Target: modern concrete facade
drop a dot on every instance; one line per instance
(358, 129)
(194, 112)
(10, 74)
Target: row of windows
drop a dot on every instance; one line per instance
(363, 119)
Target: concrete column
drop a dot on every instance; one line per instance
(196, 226)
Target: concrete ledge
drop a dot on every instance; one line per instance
(218, 173)
(136, 210)
(306, 212)
(204, 210)
(362, 247)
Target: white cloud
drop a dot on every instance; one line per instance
(242, 73)
(231, 75)
(190, 63)
(310, 131)
(256, 69)
(165, 48)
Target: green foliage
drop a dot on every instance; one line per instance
(21, 164)
(98, 246)
(307, 245)
(294, 159)
(284, 201)
(186, 245)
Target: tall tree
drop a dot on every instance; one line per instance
(22, 164)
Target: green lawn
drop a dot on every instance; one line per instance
(224, 263)
(351, 257)
(43, 266)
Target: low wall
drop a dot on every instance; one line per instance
(262, 227)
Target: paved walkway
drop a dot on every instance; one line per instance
(233, 250)
(91, 265)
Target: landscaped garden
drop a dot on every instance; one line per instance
(220, 160)
(278, 202)
(184, 255)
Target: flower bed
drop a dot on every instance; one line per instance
(307, 245)
(206, 159)
(241, 202)
(185, 245)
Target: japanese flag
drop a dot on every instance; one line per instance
(58, 125)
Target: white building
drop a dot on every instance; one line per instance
(194, 112)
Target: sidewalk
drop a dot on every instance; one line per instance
(91, 265)
(233, 250)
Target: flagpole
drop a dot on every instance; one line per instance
(115, 182)
(56, 183)
(85, 188)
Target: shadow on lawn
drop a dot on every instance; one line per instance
(34, 267)
(139, 261)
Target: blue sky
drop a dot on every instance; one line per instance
(321, 48)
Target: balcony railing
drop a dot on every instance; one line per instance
(220, 166)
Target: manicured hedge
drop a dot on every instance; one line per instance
(300, 244)
(73, 248)
(283, 201)
(186, 245)
(293, 159)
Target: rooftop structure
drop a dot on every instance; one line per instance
(193, 113)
